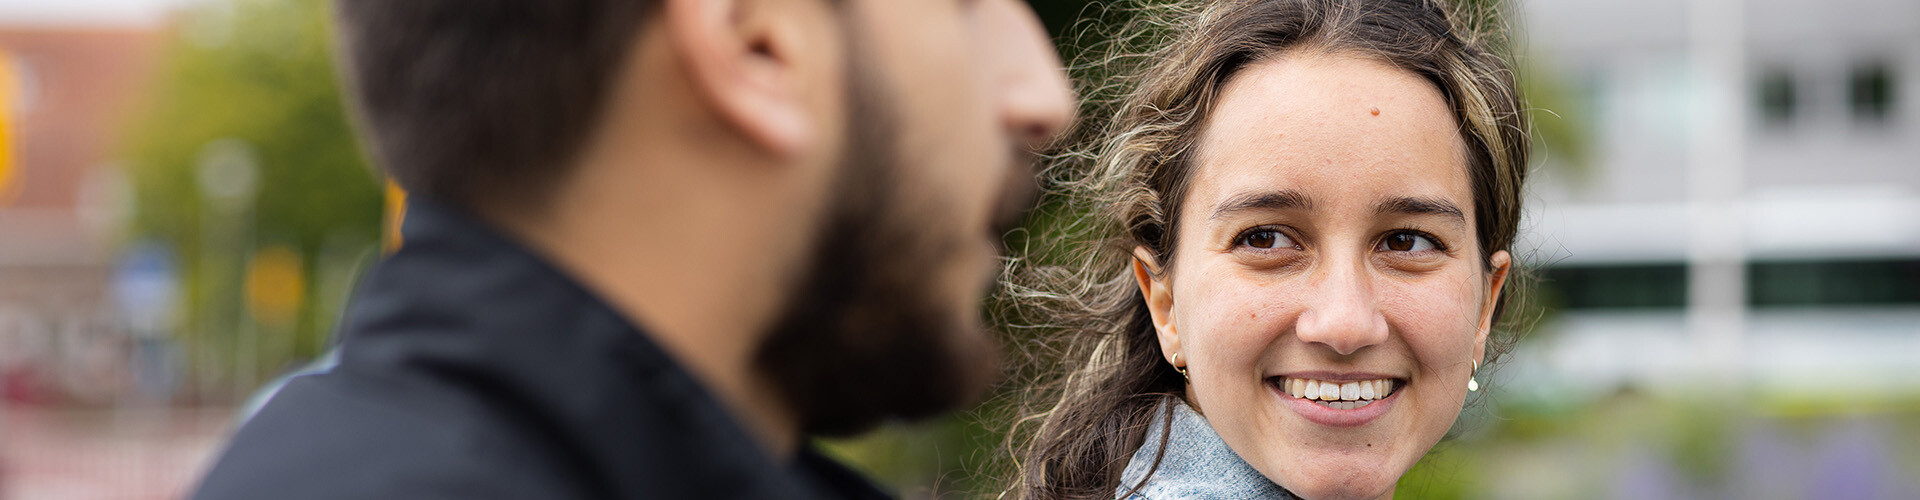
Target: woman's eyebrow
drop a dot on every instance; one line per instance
(1421, 206)
(1267, 200)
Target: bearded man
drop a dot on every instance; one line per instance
(654, 245)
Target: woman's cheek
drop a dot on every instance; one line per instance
(1237, 313)
(1440, 315)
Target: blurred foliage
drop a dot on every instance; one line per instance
(1562, 129)
(1444, 474)
(257, 73)
(945, 457)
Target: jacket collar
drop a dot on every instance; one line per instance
(1196, 463)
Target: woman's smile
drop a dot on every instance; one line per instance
(1337, 401)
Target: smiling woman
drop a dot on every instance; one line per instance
(1305, 209)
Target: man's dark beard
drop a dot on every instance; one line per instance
(867, 335)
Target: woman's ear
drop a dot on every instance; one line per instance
(1500, 263)
(1156, 288)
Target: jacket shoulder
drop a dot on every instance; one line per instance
(338, 435)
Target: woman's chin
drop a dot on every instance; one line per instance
(1344, 492)
(1340, 483)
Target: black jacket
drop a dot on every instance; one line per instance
(471, 368)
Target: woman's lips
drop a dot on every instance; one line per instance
(1333, 403)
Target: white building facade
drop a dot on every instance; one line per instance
(1749, 210)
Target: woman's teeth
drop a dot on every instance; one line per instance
(1338, 395)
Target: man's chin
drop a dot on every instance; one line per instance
(976, 362)
(945, 378)
(845, 370)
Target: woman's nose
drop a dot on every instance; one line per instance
(1342, 313)
(1036, 102)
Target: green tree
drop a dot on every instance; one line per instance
(252, 79)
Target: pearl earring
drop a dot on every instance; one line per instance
(1473, 385)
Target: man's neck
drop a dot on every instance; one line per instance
(704, 293)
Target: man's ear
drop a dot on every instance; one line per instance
(1156, 288)
(748, 60)
(1500, 263)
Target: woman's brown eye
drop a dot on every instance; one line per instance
(1400, 242)
(1266, 239)
(1407, 242)
(1263, 239)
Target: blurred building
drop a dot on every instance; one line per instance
(69, 88)
(1750, 206)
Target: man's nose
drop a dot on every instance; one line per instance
(1343, 312)
(1036, 102)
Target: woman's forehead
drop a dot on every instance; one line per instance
(1346, 127)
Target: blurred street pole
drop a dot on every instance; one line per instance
(1716, 292)
(228, 178)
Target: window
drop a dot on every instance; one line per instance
(1778, 97)
(1870, 91)
(1868, 282)
(1834, 282)
(1641, 286)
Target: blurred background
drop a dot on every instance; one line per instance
(1724, 228)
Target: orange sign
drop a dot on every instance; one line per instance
(276, 285)
(8, 84)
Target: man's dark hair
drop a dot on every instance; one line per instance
(472, 101)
